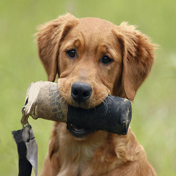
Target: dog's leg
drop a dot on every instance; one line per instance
(134, 168)
(51, 166)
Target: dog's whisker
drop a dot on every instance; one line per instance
(106, 106)
(112, 99)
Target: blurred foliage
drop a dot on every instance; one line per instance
(154, 108)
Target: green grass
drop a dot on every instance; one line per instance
(154, 108)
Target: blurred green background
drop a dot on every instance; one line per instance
(154, 108)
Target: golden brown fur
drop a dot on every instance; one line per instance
(100, 153)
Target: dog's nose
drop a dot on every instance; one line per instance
(81, 91)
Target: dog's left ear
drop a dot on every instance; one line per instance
(138, 57)
(49, 38)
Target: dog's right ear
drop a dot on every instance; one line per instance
(48, 39)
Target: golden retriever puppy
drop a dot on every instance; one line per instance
(93, 58)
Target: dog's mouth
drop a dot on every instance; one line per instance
(78, 131)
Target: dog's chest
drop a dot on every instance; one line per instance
(76, 161)
(76, 158)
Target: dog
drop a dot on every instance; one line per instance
(94, 58)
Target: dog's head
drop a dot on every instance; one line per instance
(94, 58)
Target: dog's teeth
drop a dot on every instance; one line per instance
(76, 128)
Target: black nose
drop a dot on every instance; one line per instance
(81, 91)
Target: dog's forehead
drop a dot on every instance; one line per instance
(95, 25)
(93, 31)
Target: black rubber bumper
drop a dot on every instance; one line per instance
(114, 115)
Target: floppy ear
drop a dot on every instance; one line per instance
(48, 39)
(138, 58)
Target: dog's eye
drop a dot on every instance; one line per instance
(71, 53)
(106, 60)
